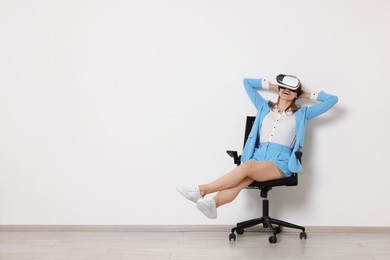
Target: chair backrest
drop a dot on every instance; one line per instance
(248, 127)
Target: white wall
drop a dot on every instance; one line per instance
(106, 106)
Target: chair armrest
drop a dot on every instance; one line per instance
(299, 154)
(236, 158)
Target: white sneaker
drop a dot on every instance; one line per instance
(207, 207)
(190, 192)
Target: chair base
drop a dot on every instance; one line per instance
(267, 222)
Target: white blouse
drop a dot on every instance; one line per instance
(279, 127)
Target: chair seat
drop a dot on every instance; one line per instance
(288, 181)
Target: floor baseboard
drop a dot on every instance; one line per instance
(180, 228)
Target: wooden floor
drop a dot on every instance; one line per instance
(191, 245)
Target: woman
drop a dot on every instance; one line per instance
(269, 152)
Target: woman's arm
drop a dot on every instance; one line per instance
(251, 87)
(326, 102)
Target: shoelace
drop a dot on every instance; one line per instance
(191, 189)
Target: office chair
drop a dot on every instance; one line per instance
(264, 188)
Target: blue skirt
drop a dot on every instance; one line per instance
(276, 153)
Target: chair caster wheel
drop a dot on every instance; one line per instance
(278, 229)
(303, 235)
(240, 231)
(232, 237)
(272, 239)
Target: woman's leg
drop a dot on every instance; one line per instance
(238, 177)
(228, 195)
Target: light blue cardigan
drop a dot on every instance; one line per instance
(302, 115)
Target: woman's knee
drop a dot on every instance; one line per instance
(245, 182)
(248, 166)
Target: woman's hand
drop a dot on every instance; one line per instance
(273, 87)
(304, 94)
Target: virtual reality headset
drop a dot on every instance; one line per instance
(288, 81)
